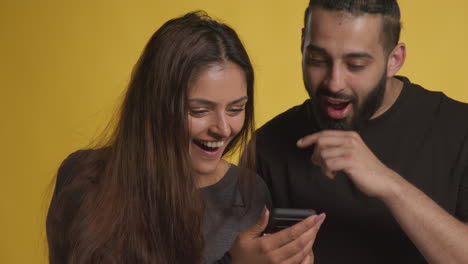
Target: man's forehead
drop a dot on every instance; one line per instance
(343, 31)
(319, 15)
(322, 19)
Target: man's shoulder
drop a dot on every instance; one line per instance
(452, 116)
(454, 106)
(438, 101)
(445, 113)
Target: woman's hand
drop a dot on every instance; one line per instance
(290, 245)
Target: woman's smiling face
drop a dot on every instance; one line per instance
(217, 100)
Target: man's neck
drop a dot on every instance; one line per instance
(392, 91)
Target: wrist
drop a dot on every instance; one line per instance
(394, 190)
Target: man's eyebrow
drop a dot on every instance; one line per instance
(364, 55)
(208, 102)
(312, 47)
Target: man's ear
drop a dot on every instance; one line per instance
(396, 59)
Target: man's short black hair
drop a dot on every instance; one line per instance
(389, 9)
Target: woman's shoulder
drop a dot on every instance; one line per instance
(77, 165)
(254, 185)
(66, 201)
(69, 167)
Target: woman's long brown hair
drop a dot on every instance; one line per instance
(134, 200)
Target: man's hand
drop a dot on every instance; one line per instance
(290, 245)
(345, 151)
(439, 236)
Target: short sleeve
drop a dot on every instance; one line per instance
(67, 169)
(462, 204)
(62, 208)
(262, 169)
(461, 211)
(263, 190)
(226, 259)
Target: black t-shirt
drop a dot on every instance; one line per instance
(423, 137)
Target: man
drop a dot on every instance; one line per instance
(385, 159)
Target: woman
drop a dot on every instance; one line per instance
(159, 191)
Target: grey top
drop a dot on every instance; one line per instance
(226, 214)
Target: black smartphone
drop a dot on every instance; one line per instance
(281, 218)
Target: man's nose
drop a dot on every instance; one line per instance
(335, 79)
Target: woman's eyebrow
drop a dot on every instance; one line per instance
(240, 100)
(208, 102)
(201, 101)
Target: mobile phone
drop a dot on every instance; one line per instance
(281, 218)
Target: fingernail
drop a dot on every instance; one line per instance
(320, 218)
(264, 211)
(299, 142)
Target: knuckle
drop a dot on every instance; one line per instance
(329, 163)
(354, 134)
(301, 243)
(270, 259)
(320, 141)
(322, 154)
(292, 234)
(263, 247)
(275, 261)
(295, 260)
(319, 145)
(349, 154)
(299, 257)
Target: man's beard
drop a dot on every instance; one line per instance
(361, 112)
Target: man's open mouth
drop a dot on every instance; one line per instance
(337, 108)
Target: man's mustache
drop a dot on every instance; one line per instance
(328, 93)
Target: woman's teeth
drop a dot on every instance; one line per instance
(212, 144)
(209, 145)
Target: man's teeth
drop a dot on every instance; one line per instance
(337, 103)
(212, 144)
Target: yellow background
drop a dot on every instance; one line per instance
(64, 65)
